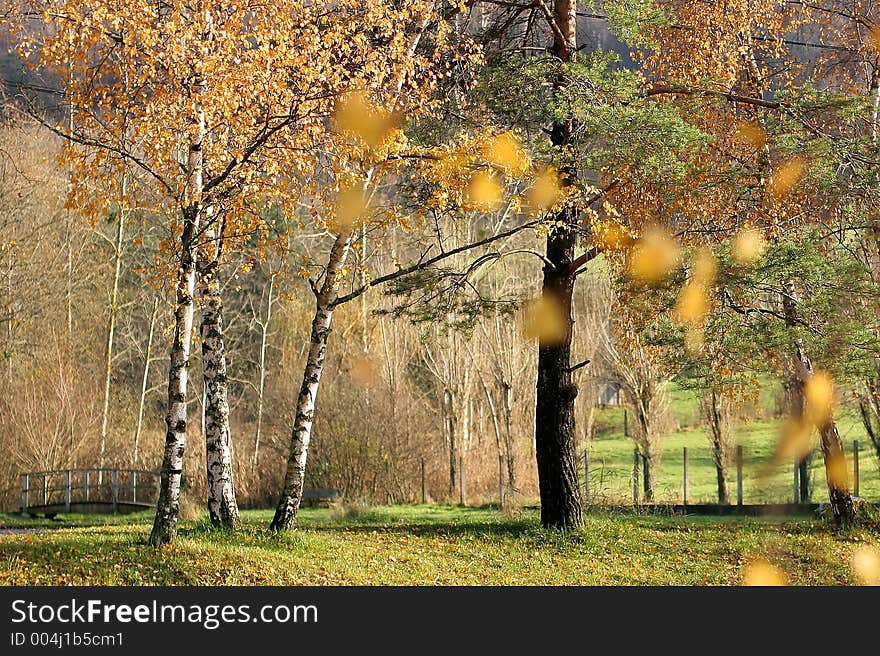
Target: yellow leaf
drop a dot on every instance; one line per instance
(354, 113)
(751, 133)
(484, 191)
(748, 246)
(819, 393)
(654, 256)
(787, 177)
(351, 204)
(866, 565)
(546, 321)
(761, 573)
(362, 371)
(545, 191)
(506, 151)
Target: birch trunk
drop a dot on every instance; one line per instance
(222, 506)
(144, 381)
(168, 505)
(554, 410)
(165, 523)
(111, 325)
(301, 434)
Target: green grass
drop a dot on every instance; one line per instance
(425, 545)
(612, 457)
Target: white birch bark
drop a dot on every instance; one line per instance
(222, 506)
(168, 505)
(291, 495)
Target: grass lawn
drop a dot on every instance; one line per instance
(426, 545)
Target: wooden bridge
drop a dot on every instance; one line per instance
(90, 491)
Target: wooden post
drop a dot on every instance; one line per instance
(587, 475)
(796, 488)
(645, 473)
(500, 481)
(67, 491)
(461, 479)
(134, 487)
(685, 461)
(625, 423)
(739, 475)
(855, 468)
(424, 496)
(25, 481)
(114, 478)
(635, 476)
(87, 484)
(45, 490)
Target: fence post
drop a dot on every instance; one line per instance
(587, 475)
(87, 484)
(114, 478)
(685, 460)
(739, 475)
(25, 483)
(45, 490)
(625, 423)
(67, 490)
(855, 467)
(635, 476)
(795, 483)
(646, 485)
(134, 487)
(424, 496)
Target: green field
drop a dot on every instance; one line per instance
(611, 457)
(426, 545)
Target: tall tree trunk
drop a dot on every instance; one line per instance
(451, 442)
(111, 323)
(506, 394)
(836, 475)
(718, 419)
(301, 434)
(168, 505)
(554, 412)
(261, 388)
(222, 506)
(144, 381)
(165, 523)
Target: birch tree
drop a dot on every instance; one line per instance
(224, 106)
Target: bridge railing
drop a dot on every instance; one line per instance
(98, 485)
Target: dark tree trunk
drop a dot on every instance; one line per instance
(721, 475)
(556, 392)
